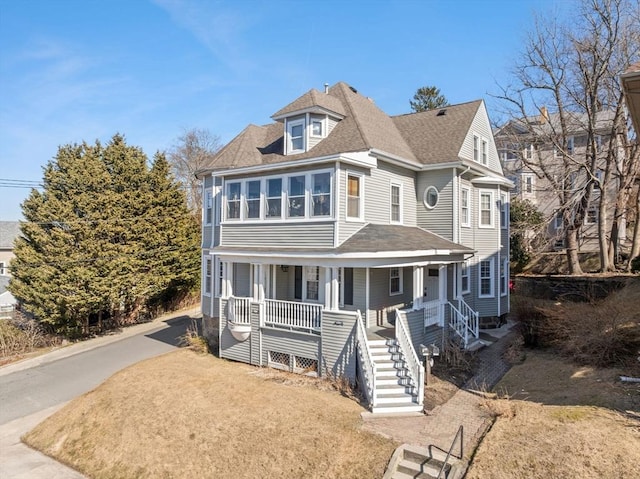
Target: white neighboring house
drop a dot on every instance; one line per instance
(337, 239)
(9, 231)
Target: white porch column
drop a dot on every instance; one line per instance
(442, 290)
(258, 282)
(335, 289)
(418, 286)
(367, 298)
(227, 279)
(328, 301)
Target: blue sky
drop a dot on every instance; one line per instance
(81, 70)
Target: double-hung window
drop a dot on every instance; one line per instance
(208, 208)
(570, 145)
(321, 194)
(485, 285)
(234, 194)
(465, 211)
(476, 148)
(486, 209)
(396, 205)
(220, 278)
(592, 216)
(464, 278)
(354, 196)
(503, 277)
(208, 271)
(558, 220)
(395, 281)
(317, 129)
(485, 148)
(296, 196)
(253, 199)
(503, 211)
(295, 131)
(312, 281)
(274, 198)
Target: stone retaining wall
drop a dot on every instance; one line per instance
(571, 288)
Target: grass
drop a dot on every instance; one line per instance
(561, 420)
(190, 415)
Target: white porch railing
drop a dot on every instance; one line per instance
(415, 367)
(464, 321)
(433, 313)
(239, 311)
(472, 317)
(292, 315)
(368, 365)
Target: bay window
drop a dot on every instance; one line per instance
(253, 199)
(274, 198)
(297, 193)
(234, 191)
(321, 194)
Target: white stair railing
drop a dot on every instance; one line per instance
(472, 317)
(458, 323)
(432, 313)
(414, 365)
(368, 365)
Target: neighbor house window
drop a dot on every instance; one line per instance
(208, 208)
(464, 278)
(570, 145)
(592, 216)
(312, 280)
(485, 148)
(558, 220)
(503, 277)
(486, 209)
(220, 278)
(274, 198)
(253, 199)
(3, 270)
(465, 211)
(395, 281)
(296, 196)
(295, 131)
(208, 271)
(486, 278)
(527, 183)
(321, 194)
(233, 200)
(396, 206)
(354, 196)
(503, 211)
(476, 148)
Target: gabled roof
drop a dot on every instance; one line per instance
(425, 137)
(9, 231)
(549, 124)
(437, 135)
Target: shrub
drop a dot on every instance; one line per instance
(635, 264)
(533, 324)
(22, 335)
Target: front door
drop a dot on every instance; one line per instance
(431, 284)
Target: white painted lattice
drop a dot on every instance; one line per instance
(305, 365)
(279, 360)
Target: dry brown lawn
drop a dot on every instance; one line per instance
(185, 415)
(561, 421)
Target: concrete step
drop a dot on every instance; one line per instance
(406, 398)
(421, 469)
(396, 408)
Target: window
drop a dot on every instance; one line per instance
(253, 199)
(296, 136)
(395, 281)
(592, 216)
(504, 206)
(274, 198)
(312, 280)
(570, 144)
(208, 208)
(558, 220)
(396, 206)
(529, 152)
(465, 212)
(484, 151)
(321, 194)
(296, 195)
(503, 277)
(486, 209)
(208, 271)
(220, 277)
(430, 197)
(528, 188)
(354, 197)
(598, 143)
(233, 200)
(3, 270)
(476, 148)
(486, 278)
(345, 278)
(317, 128)
(464, 277)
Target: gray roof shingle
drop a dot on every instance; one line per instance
(9, 231)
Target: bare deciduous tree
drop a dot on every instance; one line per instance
(192, 151)
(570, 75)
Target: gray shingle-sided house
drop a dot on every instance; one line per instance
(338, 239)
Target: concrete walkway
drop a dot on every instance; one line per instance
(18, 461)
(439, 426)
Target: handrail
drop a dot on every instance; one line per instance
(469, 313)
(453, 443)
(416, 369)
(239, 310)
(428, 313)
(459, 324)
(369, 366)
(293, 314)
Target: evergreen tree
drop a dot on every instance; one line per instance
(106, 236)
(428, 98)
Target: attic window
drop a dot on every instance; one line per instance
(295, 133)
(442, 112)
(317, 128)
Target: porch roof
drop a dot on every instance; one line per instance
(387, 244)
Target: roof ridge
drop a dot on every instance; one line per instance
(342, 85)
(479, 100)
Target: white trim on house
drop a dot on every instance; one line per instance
(397, 276)
(483, 277)
(504, 277)
(290, 147)
(465, 218)
(465, 269)
(207, 274)
(399, 205)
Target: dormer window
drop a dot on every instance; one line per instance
(295, 133)
(317, 128)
